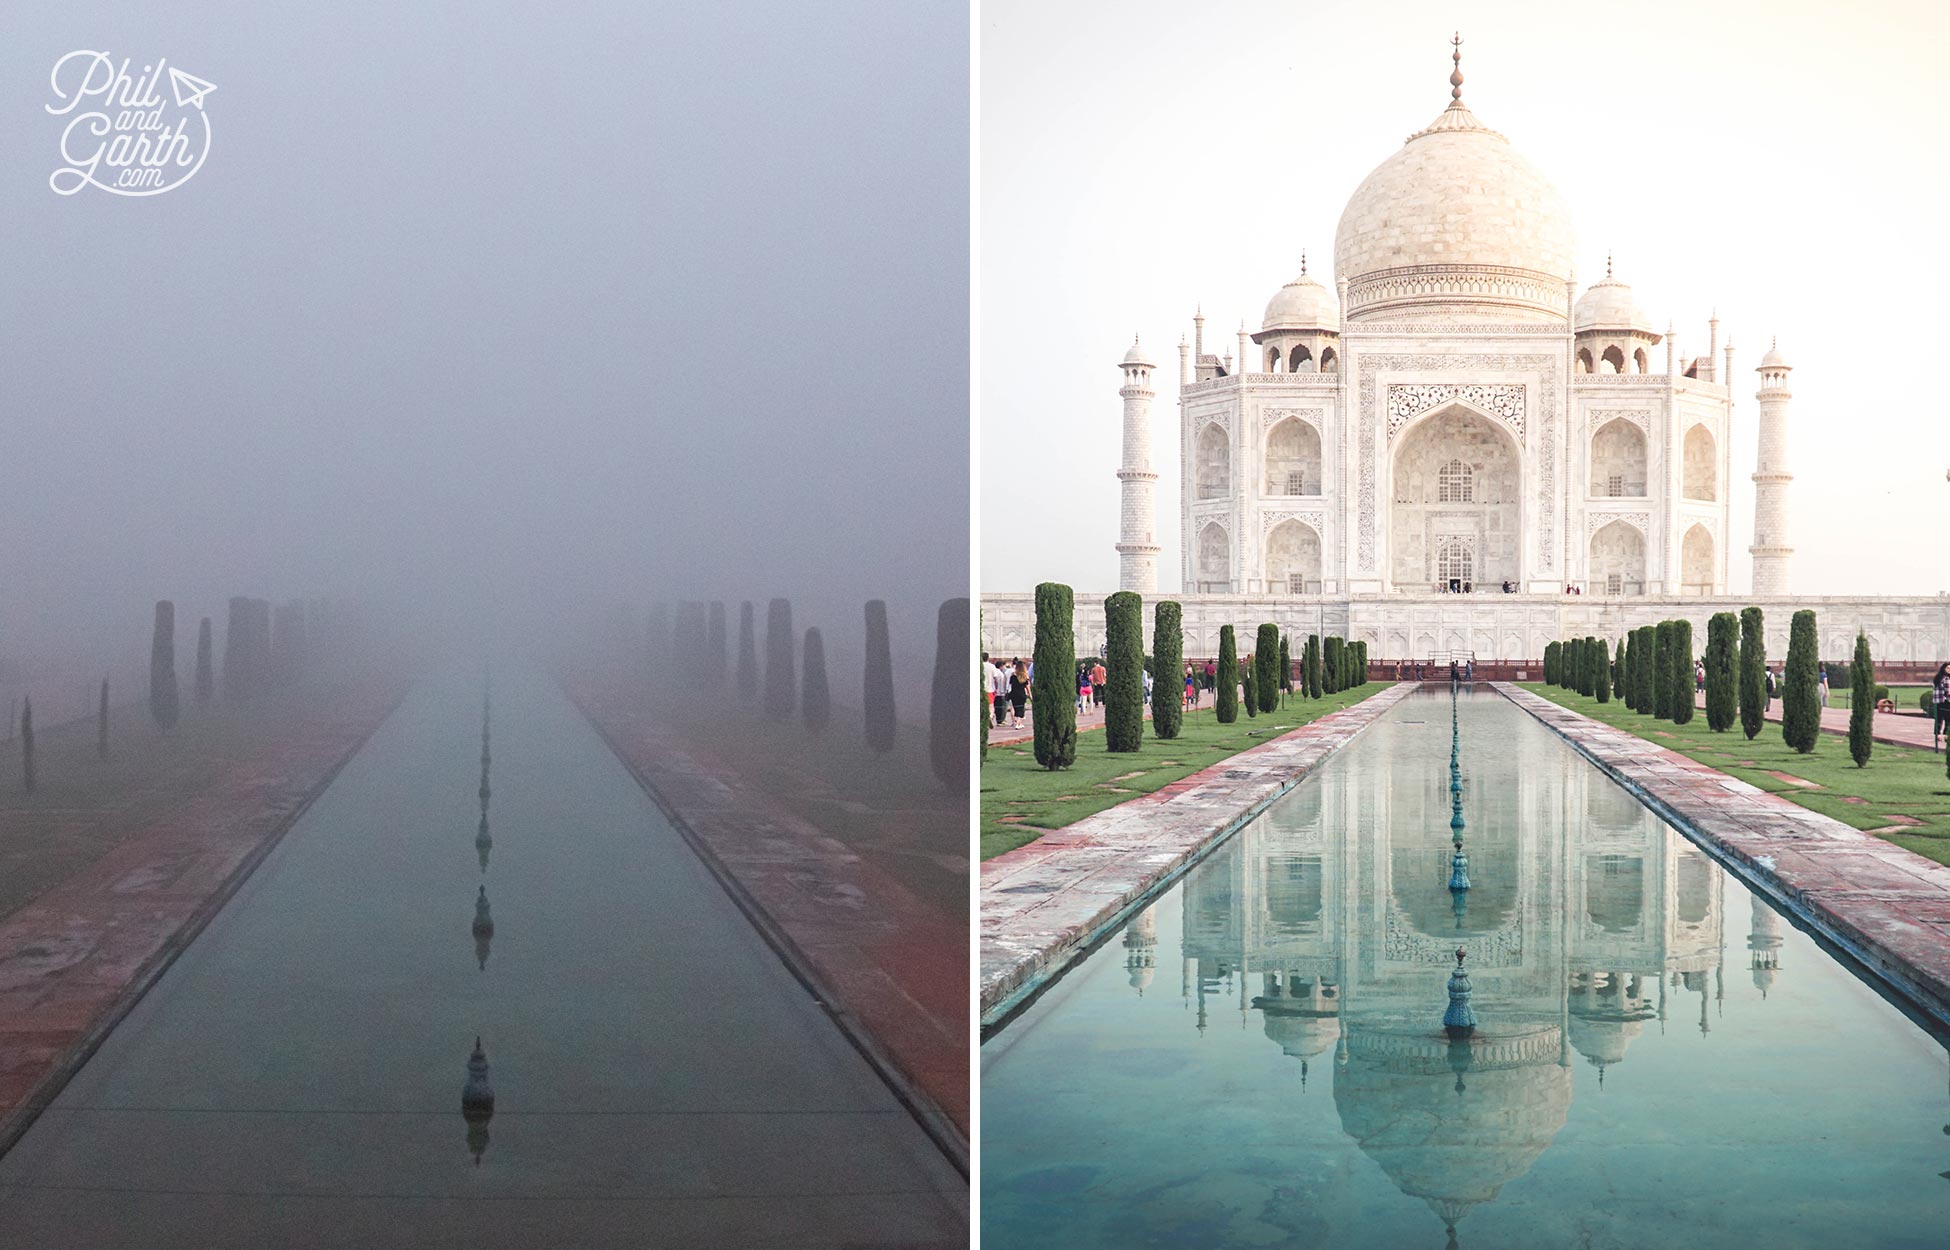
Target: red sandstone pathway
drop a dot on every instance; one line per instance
(877, 952)
(79, 955)
(1890, 727)
(1886, 905)
(1043, 902)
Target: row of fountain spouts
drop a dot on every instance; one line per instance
(1459, 1020)
(477, 1095)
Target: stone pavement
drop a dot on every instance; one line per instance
(1044, 903)
(891, 969)
(1893, 728)
(1886, 906)
(76, 958)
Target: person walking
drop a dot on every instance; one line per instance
(1940, 706)
(1773, 688)
(1099, 678)
(1191, 687)
(999, 688)
(1018, 694)
(1083, 689)
(1821, 686)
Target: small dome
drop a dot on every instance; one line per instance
(1773, 359)
(1136, 355)
(1608, 305)
(1302, 304)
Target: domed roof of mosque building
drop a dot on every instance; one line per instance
(1302, 304)
(1608, 305)
(1773, 359)
(1398, 1098)
(1136, 355)
(1300, 1036)
(1456, 225)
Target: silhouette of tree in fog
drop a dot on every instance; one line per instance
(206, 685)
(948, 709)
(878, 695)
(779, 683)
(163, 705)
(815, 700)
(747, 654)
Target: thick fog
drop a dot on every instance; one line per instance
(489, 316)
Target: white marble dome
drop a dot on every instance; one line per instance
(1456, 220)
(1302, 304)
(1609, 305)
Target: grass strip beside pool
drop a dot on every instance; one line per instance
(1902, 795)
(1021, 800)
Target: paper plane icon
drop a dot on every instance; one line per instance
(189, 89)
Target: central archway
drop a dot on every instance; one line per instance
(1456, 502)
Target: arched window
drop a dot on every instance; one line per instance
(1698, 464)
(1214, 557)
(1272, 360)
(1638, 361)
(1214, 463)
(1293, 459)
(1297, 356)
(1613, 361)
(1455, 483)
(1455, 560)
(1329, 362)
(1584, 360)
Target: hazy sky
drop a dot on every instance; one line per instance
(1778, 160)
(498, 304)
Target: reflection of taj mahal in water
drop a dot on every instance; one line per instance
(1329, 922)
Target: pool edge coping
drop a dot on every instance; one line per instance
(1821, 910)
(1008, 989)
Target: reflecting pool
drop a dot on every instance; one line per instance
(1661, 1059)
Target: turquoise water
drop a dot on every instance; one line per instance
(1662, 1058)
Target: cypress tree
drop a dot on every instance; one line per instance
(1227, 704)
(1622, 670)
(1604, 672)
(1332, 669)
(101, 723)
(1862, 703)
(1722, 703)
(1550, 664)
(1662, 670)
(27, 744)
(1753, 673)
(1800, 699)
(1361, 663)
(1266, 667)
(947, 710)
(1286, 670)
(747, 653)
(1645, 661)
(877, 694)
(780, 693)
(1682, 672)
(1167, 670)
(717, 659)
(1053, 714)
(206, 687)
(1249, 686)
(1124, 661)
(815, 698)
(162, 668)
(1310, 666)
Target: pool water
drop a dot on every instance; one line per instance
(1662, 1059)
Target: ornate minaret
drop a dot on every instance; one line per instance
(1771, 478)
(1137, 549)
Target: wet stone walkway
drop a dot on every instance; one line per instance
(1042, 904)
(1884, 905)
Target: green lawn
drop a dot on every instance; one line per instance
(1904, 697)
(1900, 784)
(1022, 801)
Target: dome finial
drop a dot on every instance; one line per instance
(1303, 262)
(1608, 262)
(1456, 77)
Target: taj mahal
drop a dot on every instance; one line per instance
(1454, 451)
